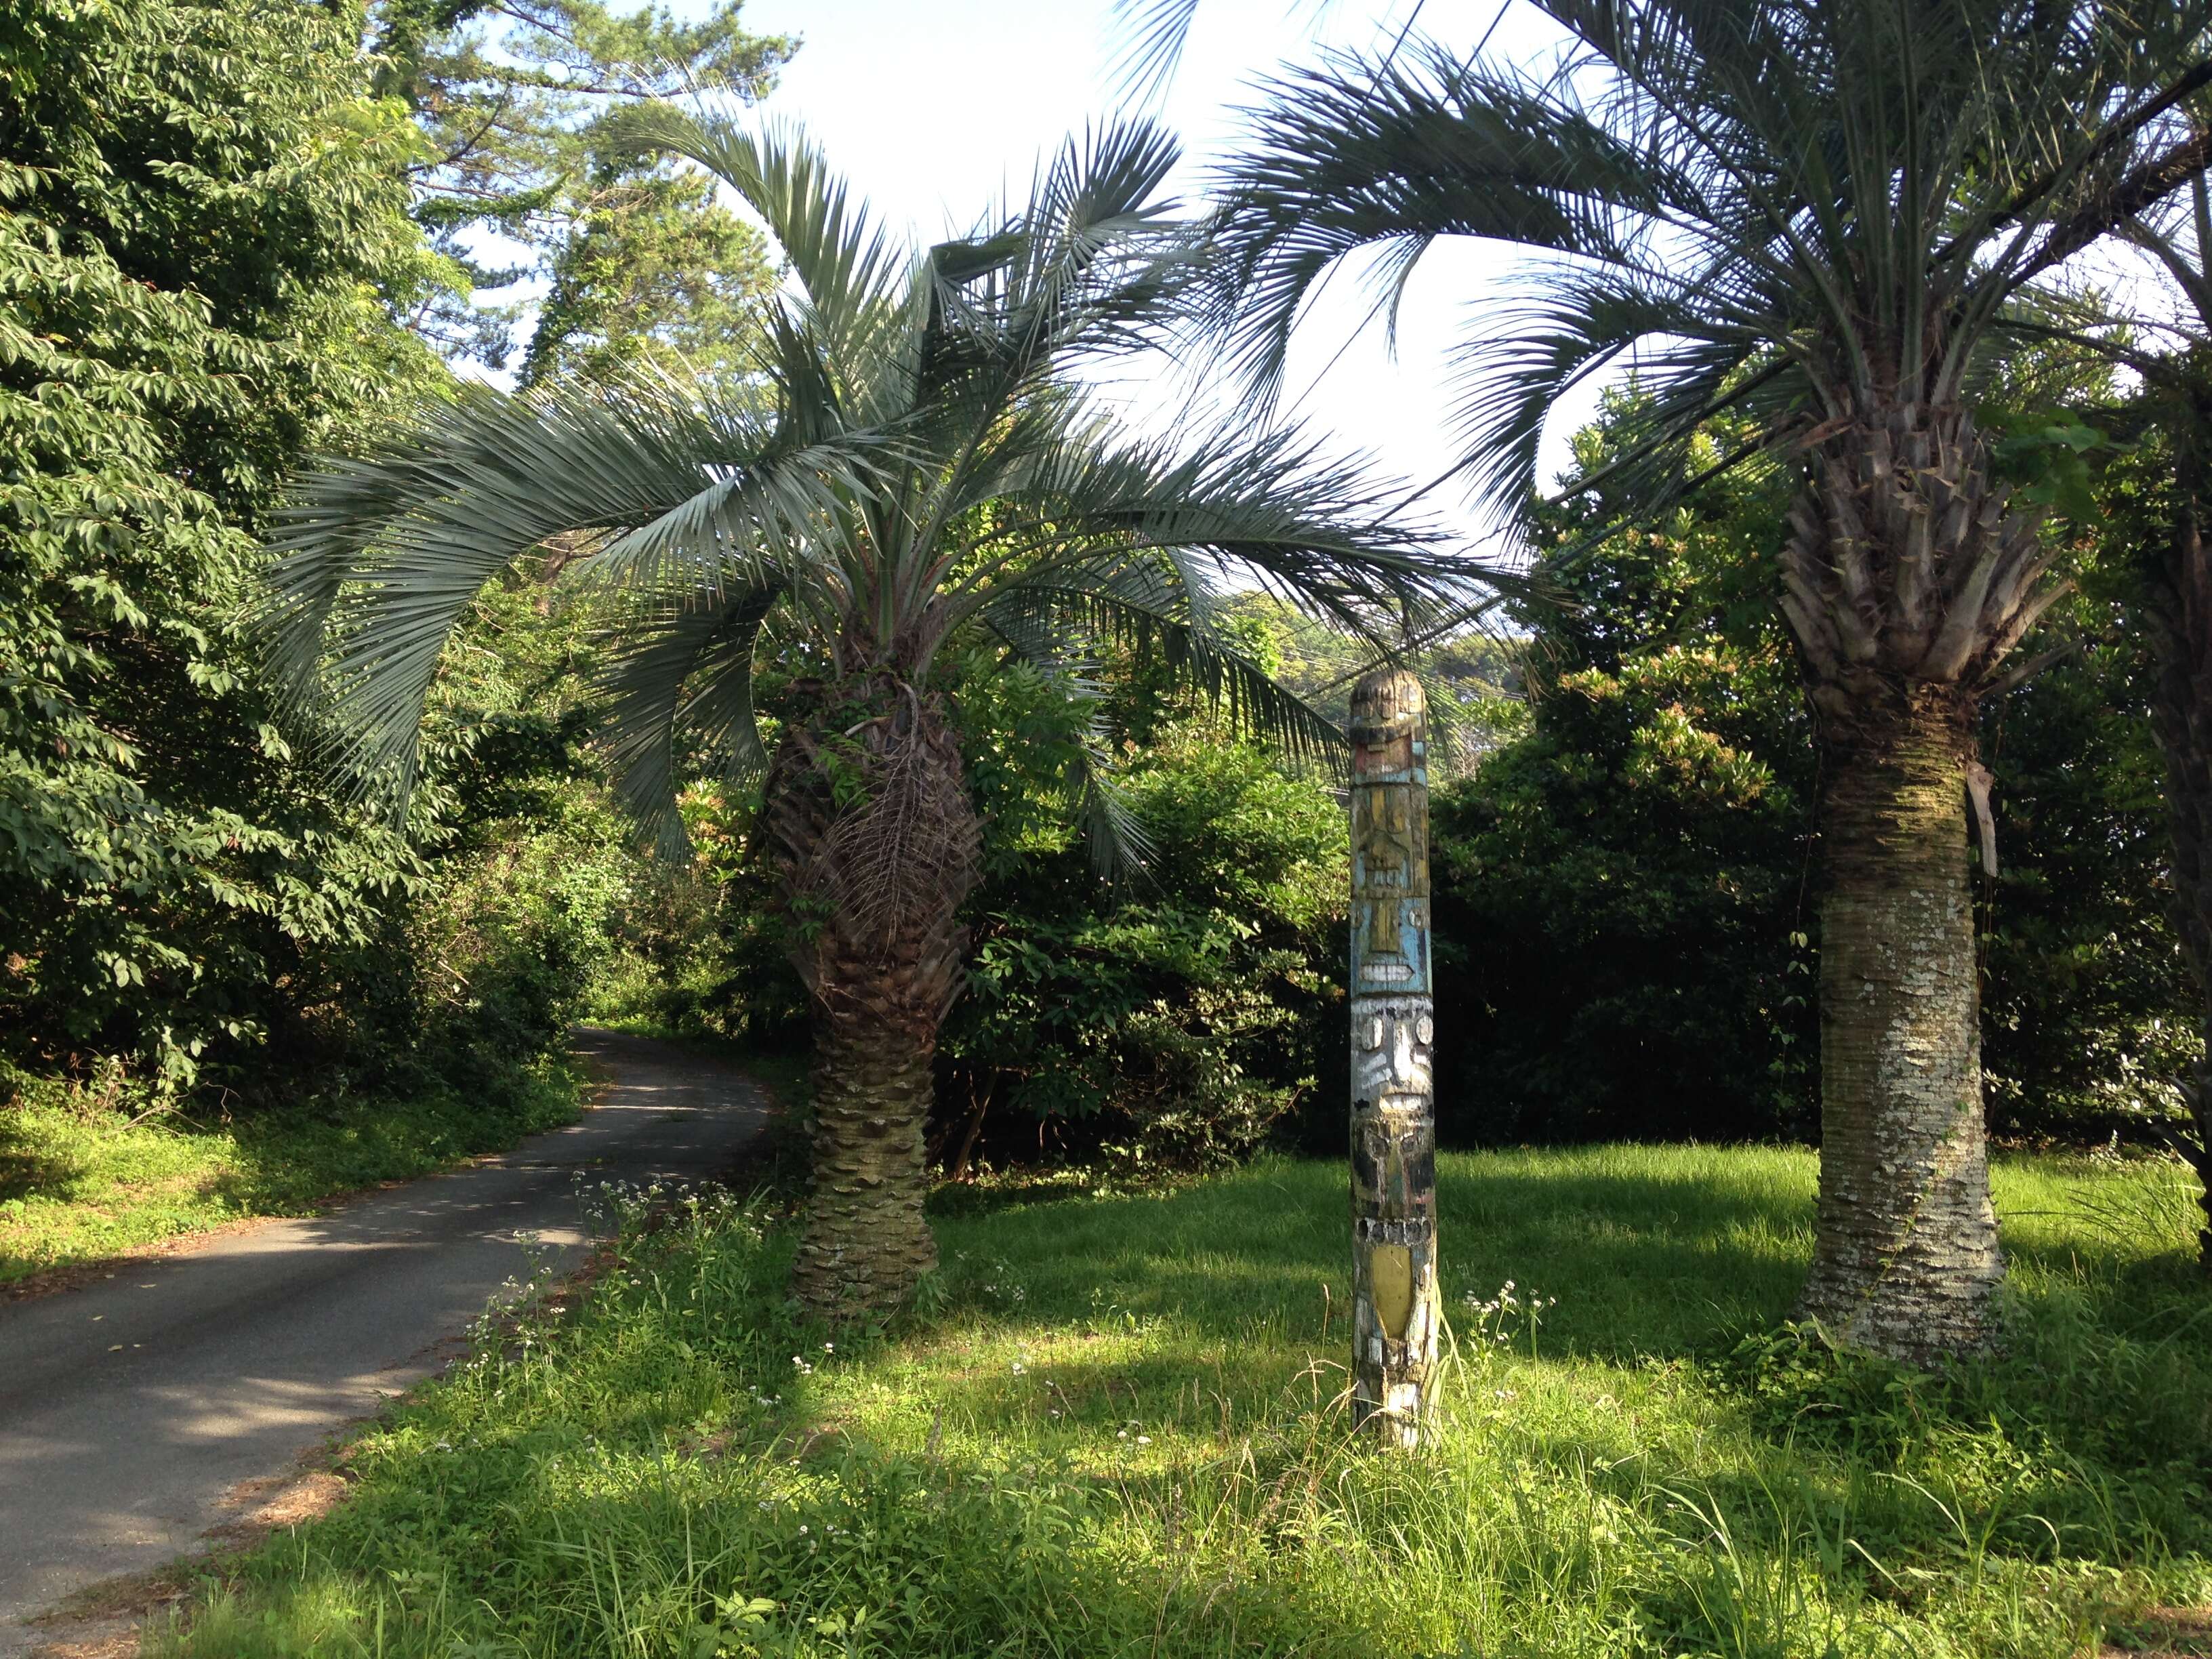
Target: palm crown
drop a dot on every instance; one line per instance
(1815, 218)
(1799, 211)
(909, 462)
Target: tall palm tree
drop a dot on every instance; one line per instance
(907, 465)
(2175, 598)
(1812, 213)
(2177, 606)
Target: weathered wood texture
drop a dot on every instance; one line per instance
(1393, 1127)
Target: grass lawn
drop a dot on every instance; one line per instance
(1114, 1429)
(78, 1185)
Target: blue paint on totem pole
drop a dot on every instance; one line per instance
(1390, 915)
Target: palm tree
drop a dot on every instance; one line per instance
(2175, 598)
(906, 466)
(1812, 214)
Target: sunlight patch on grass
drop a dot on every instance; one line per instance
(78, 1186)
(1115, 1427)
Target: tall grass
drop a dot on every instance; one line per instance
(1116, 1428)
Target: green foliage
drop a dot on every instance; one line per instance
(1466, 677)
(1175, 1016)
(2087, 1001)
(1624, 902)
(202, 228)
(1855, 203)
(80, 1182)
(517, 159)
(1112, 1430)
(1623, 914)
(1628, 894)
(199, 208)
(541, 907)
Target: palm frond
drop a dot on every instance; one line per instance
(1272, 511)
(1578, 328)
(688, 667)
(383, 554)
(854, 274)
(1091, 266)
(1121, 848)
(1156, 32)
(1705, 186)
(1144, 605)
(1358, 153)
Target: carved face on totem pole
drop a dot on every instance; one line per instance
(1393, 1053)
(1393, 1159)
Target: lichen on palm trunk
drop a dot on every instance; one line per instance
(868, 818)
(1907, 1260)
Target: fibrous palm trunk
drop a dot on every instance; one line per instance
(877, 842)
(2180, 616)
(1907, 1260)
(1908, 580)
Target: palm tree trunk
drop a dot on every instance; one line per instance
(2180, 616)
(1909, 578)
(875, 1035)
(873, 878)
(1906, 1262)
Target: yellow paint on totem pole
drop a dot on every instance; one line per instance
(1391, 1269)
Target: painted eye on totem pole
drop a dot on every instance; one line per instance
(1374, 1033)
(1425, 1030)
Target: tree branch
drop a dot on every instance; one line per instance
(2143, 188)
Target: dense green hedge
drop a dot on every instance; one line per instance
(204, 254)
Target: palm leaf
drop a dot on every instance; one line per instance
(1144, 607)
(688, 666)
(385, 553)
(854, 275)
(1272, 511)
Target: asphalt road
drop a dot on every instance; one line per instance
(128, 1407)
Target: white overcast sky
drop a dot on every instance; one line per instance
(935, 110)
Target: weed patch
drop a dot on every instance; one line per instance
(77, 1186)
(1115, 1427)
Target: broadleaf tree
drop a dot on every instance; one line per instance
(201, 220)
(2171, 354)
(907, 464)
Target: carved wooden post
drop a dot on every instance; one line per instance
(1394, 1125)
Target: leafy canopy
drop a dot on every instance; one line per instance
(200, 219)
(515, 178)
(906, 459)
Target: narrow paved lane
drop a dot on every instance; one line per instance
(128, 1407)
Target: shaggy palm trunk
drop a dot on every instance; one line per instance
(1907, 1262)
(1908, 580)
(876, 842)
(2180, 616)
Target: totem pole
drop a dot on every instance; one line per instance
(1394, 1125)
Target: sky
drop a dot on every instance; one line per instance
(935, 111)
